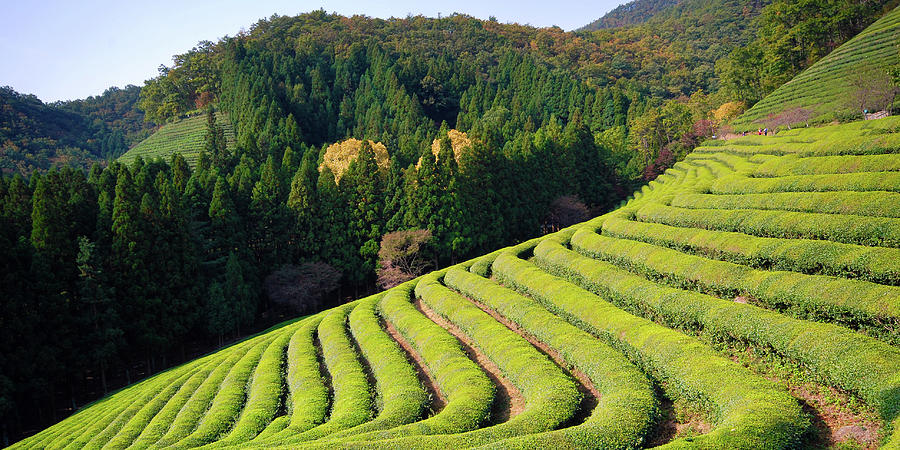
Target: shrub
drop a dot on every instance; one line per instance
(851, 302)
(854, 362)
(877, 264)
(626, 406)
(748, 411)
(862, 230)
(401, 398)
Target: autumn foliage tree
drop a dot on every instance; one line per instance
(402, 256)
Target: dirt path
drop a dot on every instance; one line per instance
(590, 394)
(676, 421)
(508, 401)
(326, 375)
(834, 424)
(437, 397)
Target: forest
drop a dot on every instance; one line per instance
(476, 133)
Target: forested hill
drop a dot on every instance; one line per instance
(35, 136)
(631, 13)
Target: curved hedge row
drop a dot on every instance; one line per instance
(200, 400)
(820, 165)
(626, 408)
(127, 417)
(860, 364)
(263, 393)
(853, 302)
(468, 391)
(351, 401)
(876, 264)
(862, 230)
(869, 203)
(551, 396)
(228, 401)
(307, 396)
(748, 411)
(401, 399)
(867, 181)
(160, 423)
(122, 438)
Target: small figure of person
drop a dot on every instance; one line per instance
(766, 131)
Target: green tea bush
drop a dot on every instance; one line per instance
(228, 401)
(853, 302)
(869, 203)
(626, 406)
(747, 410)
(468, 392)
(876, 264)
(308, 398)
(351, 401)
(820, 165)
(854, 362)
(401, 399)
(858, 181)
(862, 230)
(264, 392)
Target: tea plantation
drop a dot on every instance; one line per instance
(753, 268)
(184, 136)
(827, 90)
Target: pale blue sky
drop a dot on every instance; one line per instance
(68, 49)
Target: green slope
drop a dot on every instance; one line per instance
(787, 244)
(826, 88)
(184, 136)
(803, 226)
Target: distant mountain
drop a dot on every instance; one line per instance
(35, 136)
(631, 13)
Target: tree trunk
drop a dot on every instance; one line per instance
(52, 402)
(72, 394)
(103, 377)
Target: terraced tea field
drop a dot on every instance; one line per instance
(184, 136)
(748, 298)
(827, 86)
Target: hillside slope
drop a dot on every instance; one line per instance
(788, 243)
(183, 136)
(828, 89)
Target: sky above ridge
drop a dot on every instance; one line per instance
(66, 50)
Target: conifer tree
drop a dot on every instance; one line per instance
(304, 206)
(225, 234)
(180, 171)
(365, 191)
(98, 318)
(269, 219)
